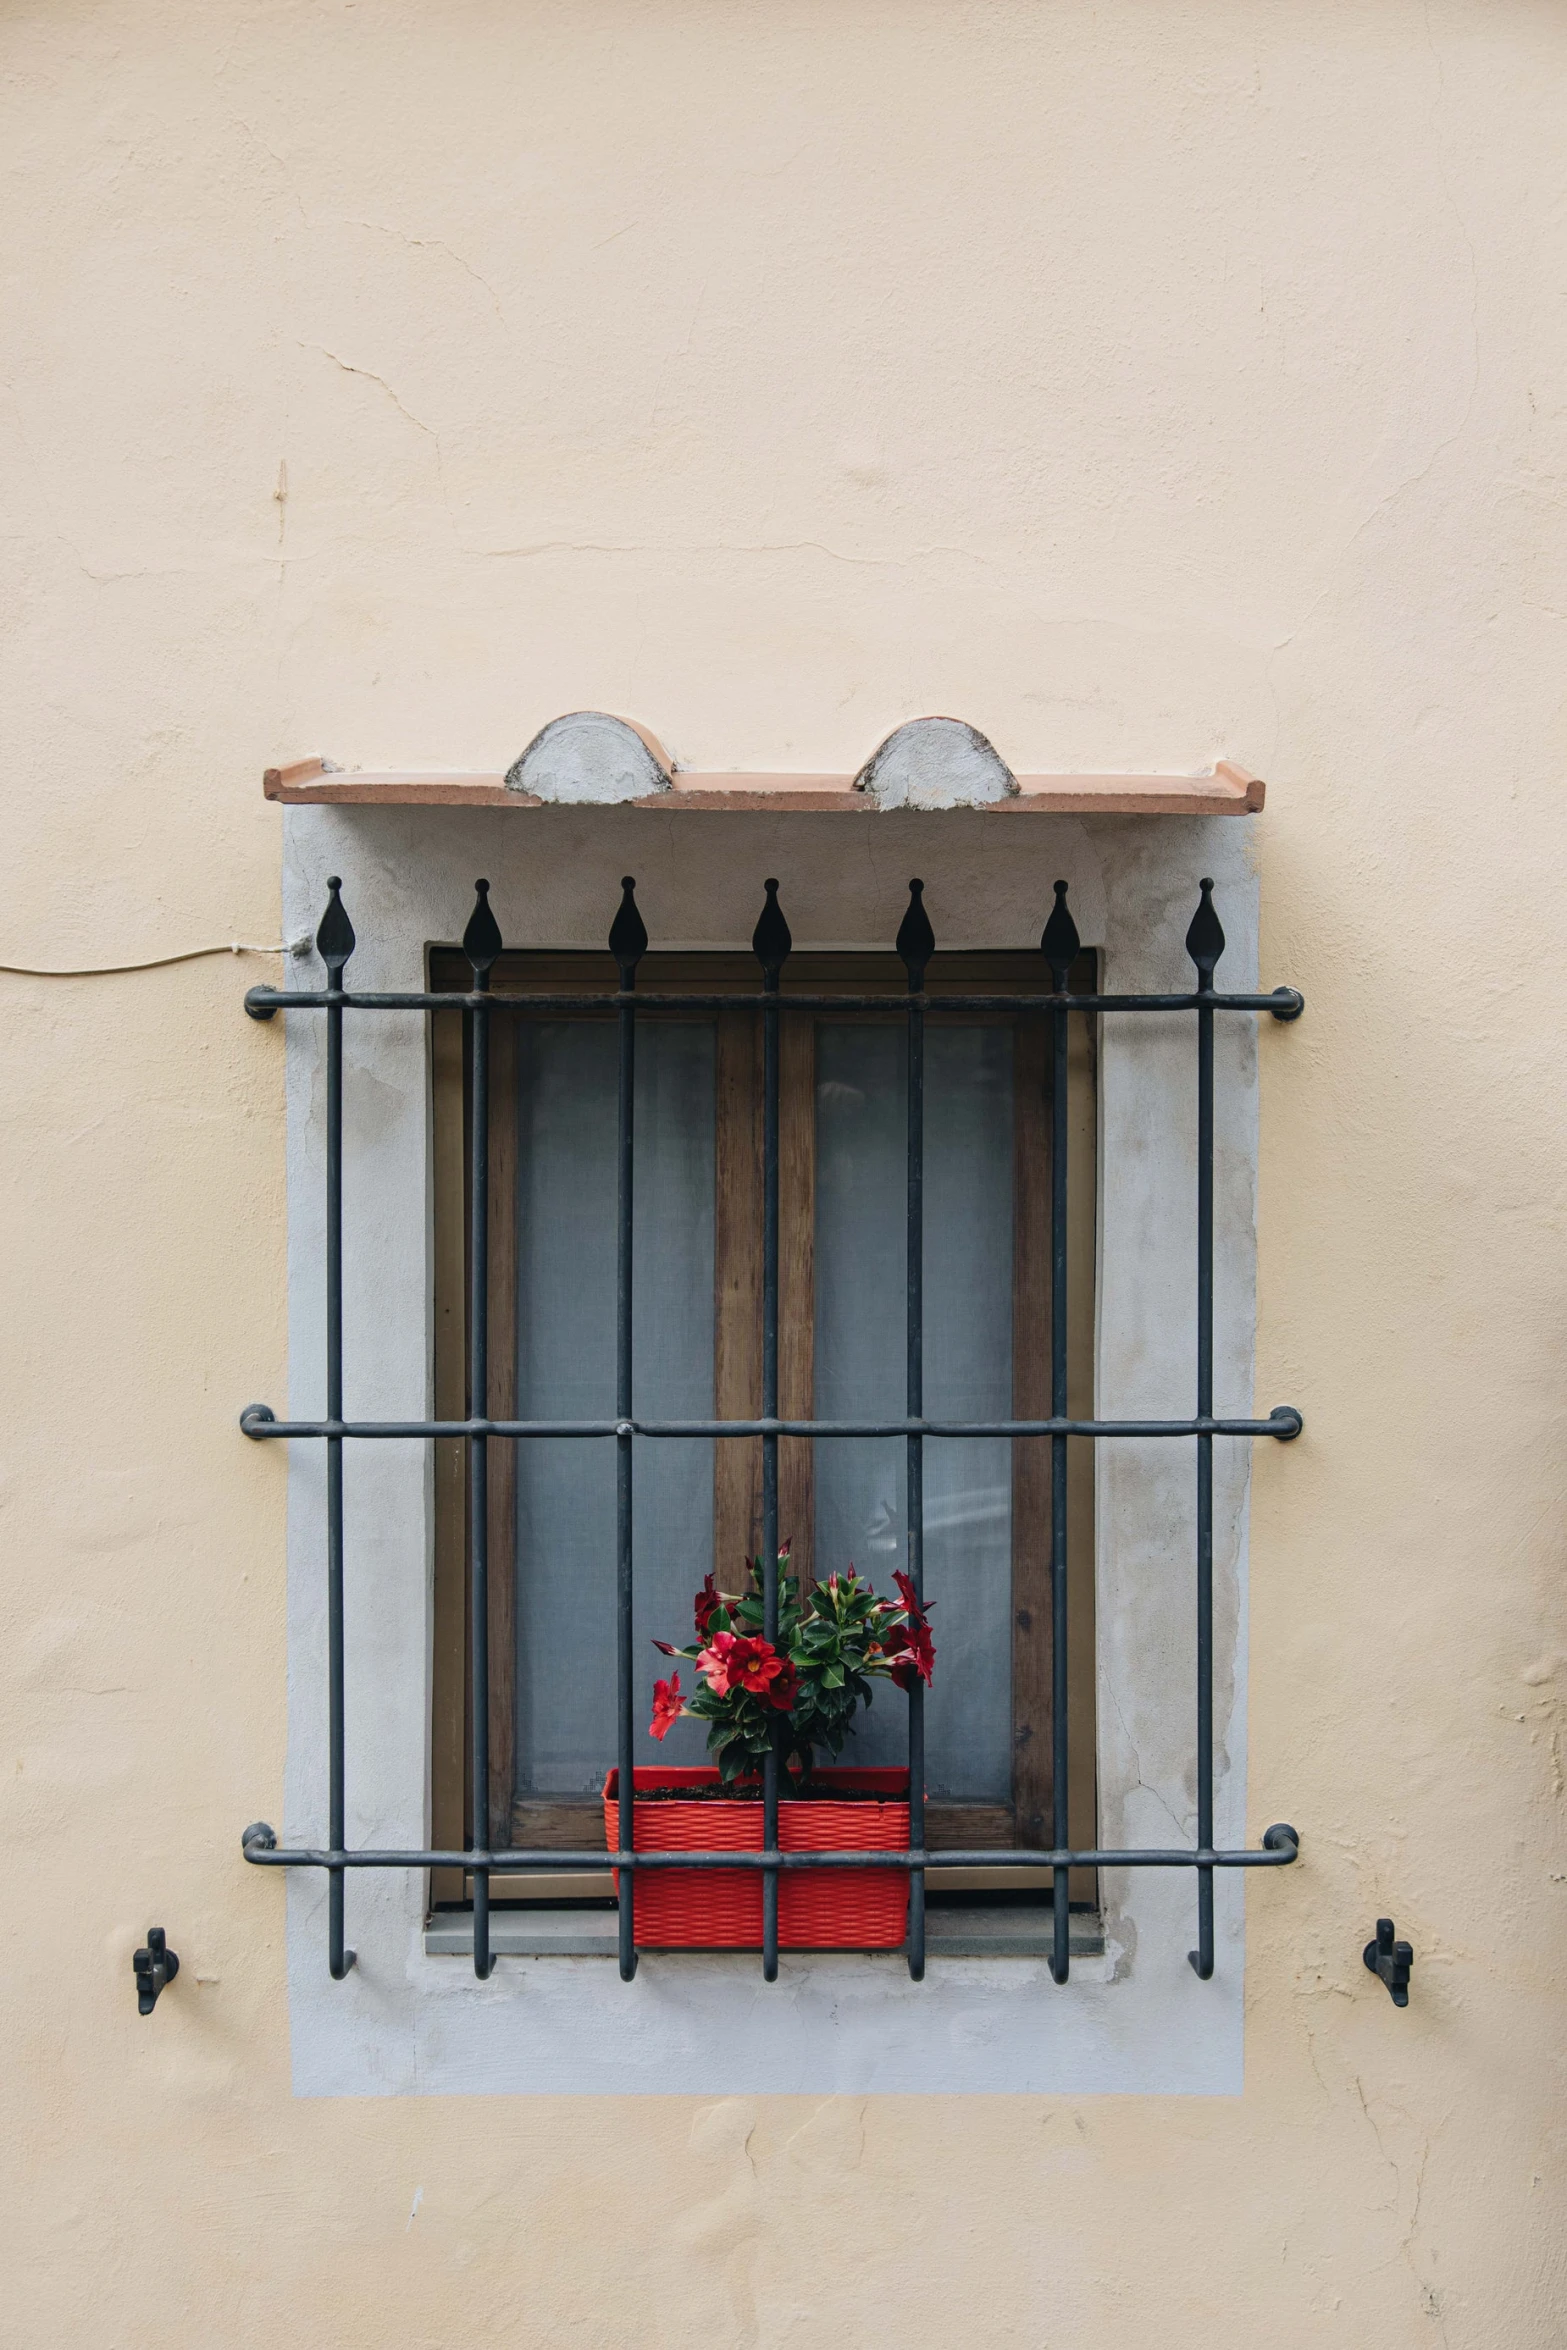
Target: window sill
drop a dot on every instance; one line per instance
(571, 1931)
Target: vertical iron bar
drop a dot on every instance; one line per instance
(479, 1476)
(916, 1470)
(1203, 1959)
(339, 1958)
(624, 1551)
(771, 942)
(770, 1451)
(628, 943)
(916, 943)
(1205, 944)
(1061, 1882)
(1060, 943)
(481, 952)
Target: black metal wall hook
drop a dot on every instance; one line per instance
(1391, 1960)
(155, 1968)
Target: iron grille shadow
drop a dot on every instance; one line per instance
(771, 943)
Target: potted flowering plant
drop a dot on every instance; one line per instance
(797, 1696)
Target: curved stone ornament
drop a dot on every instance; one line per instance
(589, 759)
(936, 763)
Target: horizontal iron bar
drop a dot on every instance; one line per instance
(1285, 1003)
(258, 1420)
(1272, 1856)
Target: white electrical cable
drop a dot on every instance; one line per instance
(292, 946)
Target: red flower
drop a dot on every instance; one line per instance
(760, 1665)
(785, 1688)
(713, 1661)
(734, 1660)
(667, 1707)
(916, 1662)
(916, 1659)
(707, 1599)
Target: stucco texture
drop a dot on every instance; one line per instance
(1140, 385)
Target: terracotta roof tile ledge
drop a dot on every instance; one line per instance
(588, 758)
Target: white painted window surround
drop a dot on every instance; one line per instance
(410, 2022)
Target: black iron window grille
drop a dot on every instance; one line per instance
(628, 941)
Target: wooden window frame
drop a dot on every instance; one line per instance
(574, 1823)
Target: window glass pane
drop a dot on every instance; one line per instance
(566, 1734)
(861, 1260)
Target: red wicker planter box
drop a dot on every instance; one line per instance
(721, 1909)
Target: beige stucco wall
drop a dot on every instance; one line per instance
(1142, 384)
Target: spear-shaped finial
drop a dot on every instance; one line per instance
(916, 939)
(1059, 942)
(1205, 939)
(628, 933)
(335, 938)
(481, 941)
(771, 939)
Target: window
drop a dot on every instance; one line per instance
(829, 1178)
(698, 1314)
